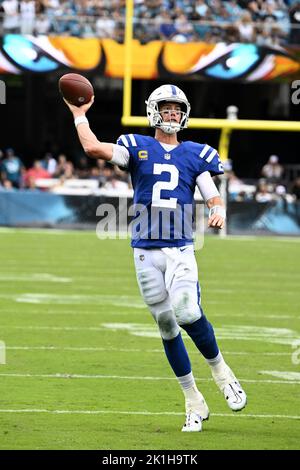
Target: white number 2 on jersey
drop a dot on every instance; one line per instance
(158, 169)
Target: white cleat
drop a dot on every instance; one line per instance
(193, 422)
(196, 412)
(234, 395)
(198, 406)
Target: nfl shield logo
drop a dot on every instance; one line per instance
(142, 257)
(167, 156)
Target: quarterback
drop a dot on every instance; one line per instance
(165, 173)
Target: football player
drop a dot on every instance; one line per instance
(164, 173)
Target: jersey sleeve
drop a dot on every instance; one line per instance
(129, 141)
(120, 156)
(211, 161)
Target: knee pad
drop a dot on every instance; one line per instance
(151, 284)
(185, 306)
(165, 319)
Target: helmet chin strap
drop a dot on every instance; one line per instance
(168, 128)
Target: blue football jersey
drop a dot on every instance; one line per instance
(164, 185)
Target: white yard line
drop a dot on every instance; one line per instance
(33, 277)
(45, 231)
(55, 328)
(252, 315)
(131, 377)
(132, 312)
(282, 336)
(62, 312)
(145, 413)
(282, 374)
(160, 351)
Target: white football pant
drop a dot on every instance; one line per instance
(168, 281)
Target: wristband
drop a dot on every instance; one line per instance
(80, 120)
(217, 210)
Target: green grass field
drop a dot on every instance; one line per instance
(85, 367)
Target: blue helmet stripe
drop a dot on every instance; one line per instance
(173, 90)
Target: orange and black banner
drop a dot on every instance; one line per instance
(246, 63)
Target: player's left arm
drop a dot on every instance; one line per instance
(211, 165)
(213, 200)
(217, 212)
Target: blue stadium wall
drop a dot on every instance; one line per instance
(38, 209)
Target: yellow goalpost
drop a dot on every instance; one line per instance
(226, 125)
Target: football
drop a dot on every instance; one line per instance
(76, 89)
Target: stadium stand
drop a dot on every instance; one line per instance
(266, 22)
(61, 176)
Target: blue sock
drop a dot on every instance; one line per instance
(202, 333)
(177, 356)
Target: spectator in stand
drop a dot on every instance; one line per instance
(111, 181)
(221, 14)
(6, 186)
(166, 28)
(201, 8)
(231, 34)
(272, 171)
(11, 22)
(100, 164)
(83, 170)
(12, 168)
(184, 28)
(234, 9)
(27, 16)
(69, 171)
(105, 25)
(50, 7)
(49, 163)
(42, 25)
(263, 194)
(246, 28)
(153, 7)
(119, 27)
(106, 177)
(200, 23)
(36, 172)
(95, 174)
(61, 166)
(237, 189)
(281, 194)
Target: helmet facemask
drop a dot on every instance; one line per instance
(165, 94)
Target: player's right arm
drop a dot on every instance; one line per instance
(91, 145)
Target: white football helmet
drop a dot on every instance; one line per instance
(172, 94)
